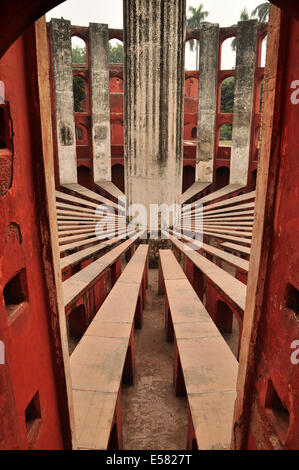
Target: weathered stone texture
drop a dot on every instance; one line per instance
(207, 101)
(244, 87)
(64, 100)
(100, 107)
(154, 91)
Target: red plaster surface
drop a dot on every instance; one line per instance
(26, 335)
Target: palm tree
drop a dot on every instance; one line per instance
(262, 12)
(243, 17)
(198, 15)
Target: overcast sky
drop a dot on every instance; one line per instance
(224, 12)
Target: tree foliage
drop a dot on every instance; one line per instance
(79, 93)
(227, 95)
(243, 17)
(226, 132)
(78, 55)
(116, 54)
(262, 12)
(197, 16)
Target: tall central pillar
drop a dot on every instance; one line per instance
(154, 34)
(207, 101)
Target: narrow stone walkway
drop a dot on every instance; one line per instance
(153, 417)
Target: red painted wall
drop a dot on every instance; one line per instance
(24, 311)
(276, 379)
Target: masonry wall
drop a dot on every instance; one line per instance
(267, 407)
(219, 164)
(243, 101)
(100, 104)
(207, 99)
(33, 400)
(64, 100)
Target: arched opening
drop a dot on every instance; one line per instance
(188, 177)
(228, 54)
(117, 110)
(225, 135)
(263, 52)
(118, 176)
(191, 87)
(81, 134)
(116, 52)
(80, 94)
(116, 85)
(77, 325)
(192, 54)
(221, 177)
(84, 177)
(194, 133)
(79, 54)
(227, 95)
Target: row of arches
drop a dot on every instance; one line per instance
(85, 176)
(221, 178)
(224, 134)
(225, 106)
(227, 54)
(226, 95)
(80, 51)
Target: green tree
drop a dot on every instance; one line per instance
(198, 15)
(227, 95)
(226, 133)
(262, 12)
(243, 17)
(116, 54)
(79, 93)
(78, 55)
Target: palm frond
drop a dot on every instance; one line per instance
(261, 11)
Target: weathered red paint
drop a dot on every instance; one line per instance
(25, 328)
(279, 325)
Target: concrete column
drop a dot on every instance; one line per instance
(100, 101)
(154, 92)
(243, 102)
(207, 101)
(64, 100)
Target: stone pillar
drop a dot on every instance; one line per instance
(154, 100)
(207, 101)
(64, 100)
(100, 101)
(243, 102)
